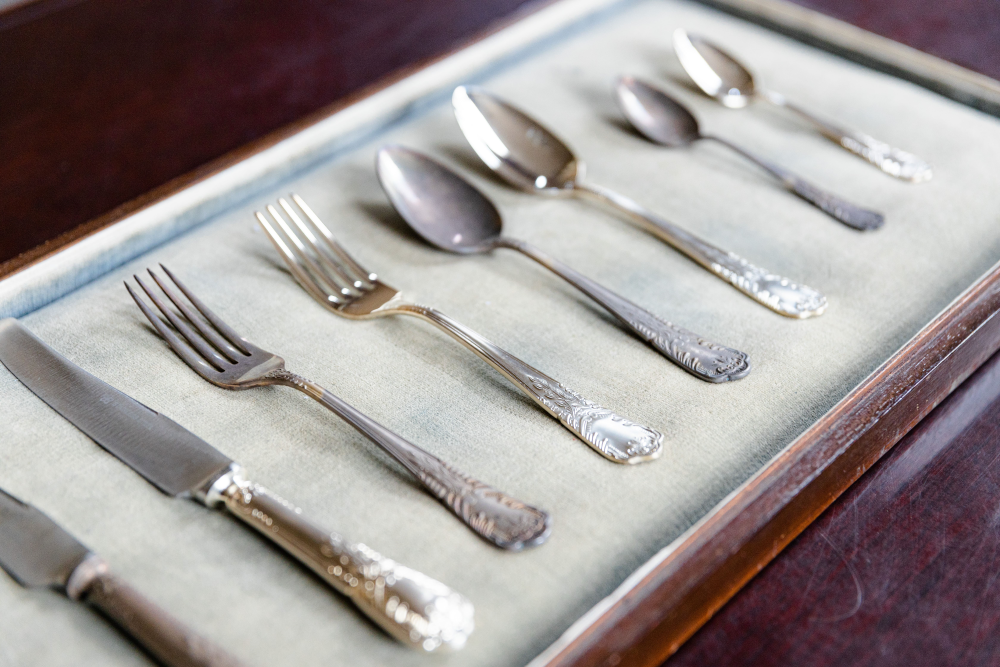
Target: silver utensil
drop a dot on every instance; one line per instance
(415, 609)
(523, 152)
(665, 121)
(223, 357)
(325, 270)
(448, 212)
(721, 76)
(38, 553)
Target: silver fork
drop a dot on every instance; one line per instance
(223, 357)
(327, 272)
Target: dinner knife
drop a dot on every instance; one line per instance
(415, 609)
(36, 552)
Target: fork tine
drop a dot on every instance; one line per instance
(228, 351)
(182, 349)
(190, 337)
(332, 269)
(331, 243)
(336, 284)
(304, 279)
(237, 340)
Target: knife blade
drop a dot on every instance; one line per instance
(36, 553)
(412, 607)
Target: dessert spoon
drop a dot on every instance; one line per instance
(664, 120)
(721, 76)
(448, 212)
(525, 154)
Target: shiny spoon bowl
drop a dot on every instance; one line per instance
(450, 213)
(527, 155)
(665, 121)
(721, 76)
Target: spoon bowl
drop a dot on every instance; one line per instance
(513, 145)
(651, 112)
(717, 73)
(438, 204)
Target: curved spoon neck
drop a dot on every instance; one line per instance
(777, 99)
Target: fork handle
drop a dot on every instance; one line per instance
(506, 522)
(614, 437)
(702, 358)
(418, 611)
(904, 166)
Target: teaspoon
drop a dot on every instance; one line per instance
(664, 120)
(721, 76)
(528, 156)
(448, 212)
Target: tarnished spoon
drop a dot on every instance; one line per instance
(721, 76)
(527, 155)
(664, 120)
(448, 212)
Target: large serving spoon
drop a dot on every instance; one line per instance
(450, 213)
(721, 76)
(527, 155)
(664, 120)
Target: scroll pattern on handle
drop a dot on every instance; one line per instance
(844, 211)
(902, 165)
(505, 521)
(776, 292)
(415, 609)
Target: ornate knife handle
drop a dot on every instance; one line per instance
(850, 214)
(776, 292)
(170, 641)
(904, 166)
(415, 609)
(495, 516)
(703, 359)
(615, 438)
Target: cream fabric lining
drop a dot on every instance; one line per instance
(215, 574)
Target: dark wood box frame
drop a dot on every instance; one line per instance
(684, 586)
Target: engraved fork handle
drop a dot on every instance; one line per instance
(415, 609)
(777, 293)
(904, 166)
(615, 438)
(504, 521)
(840, 209)
(170, 641)
(703, 359)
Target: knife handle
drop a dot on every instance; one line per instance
(415, 609)
(168, 640)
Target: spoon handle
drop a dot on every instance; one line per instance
(777, 293)
(839, 209)
(703, 359)
(904, 166)
(615, 438)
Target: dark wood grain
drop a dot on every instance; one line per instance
(902, 570)
(105, 100)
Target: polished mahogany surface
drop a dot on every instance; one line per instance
(105, 100)
(904, 569)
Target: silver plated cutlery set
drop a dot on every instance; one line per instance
(451, 214)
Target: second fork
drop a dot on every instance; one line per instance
(328, 273)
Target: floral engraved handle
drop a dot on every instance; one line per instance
(418, 611)
(614, 437)
(840, 209)
(702, 358)
(776, 292)
(904, 166)
(506, 522)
